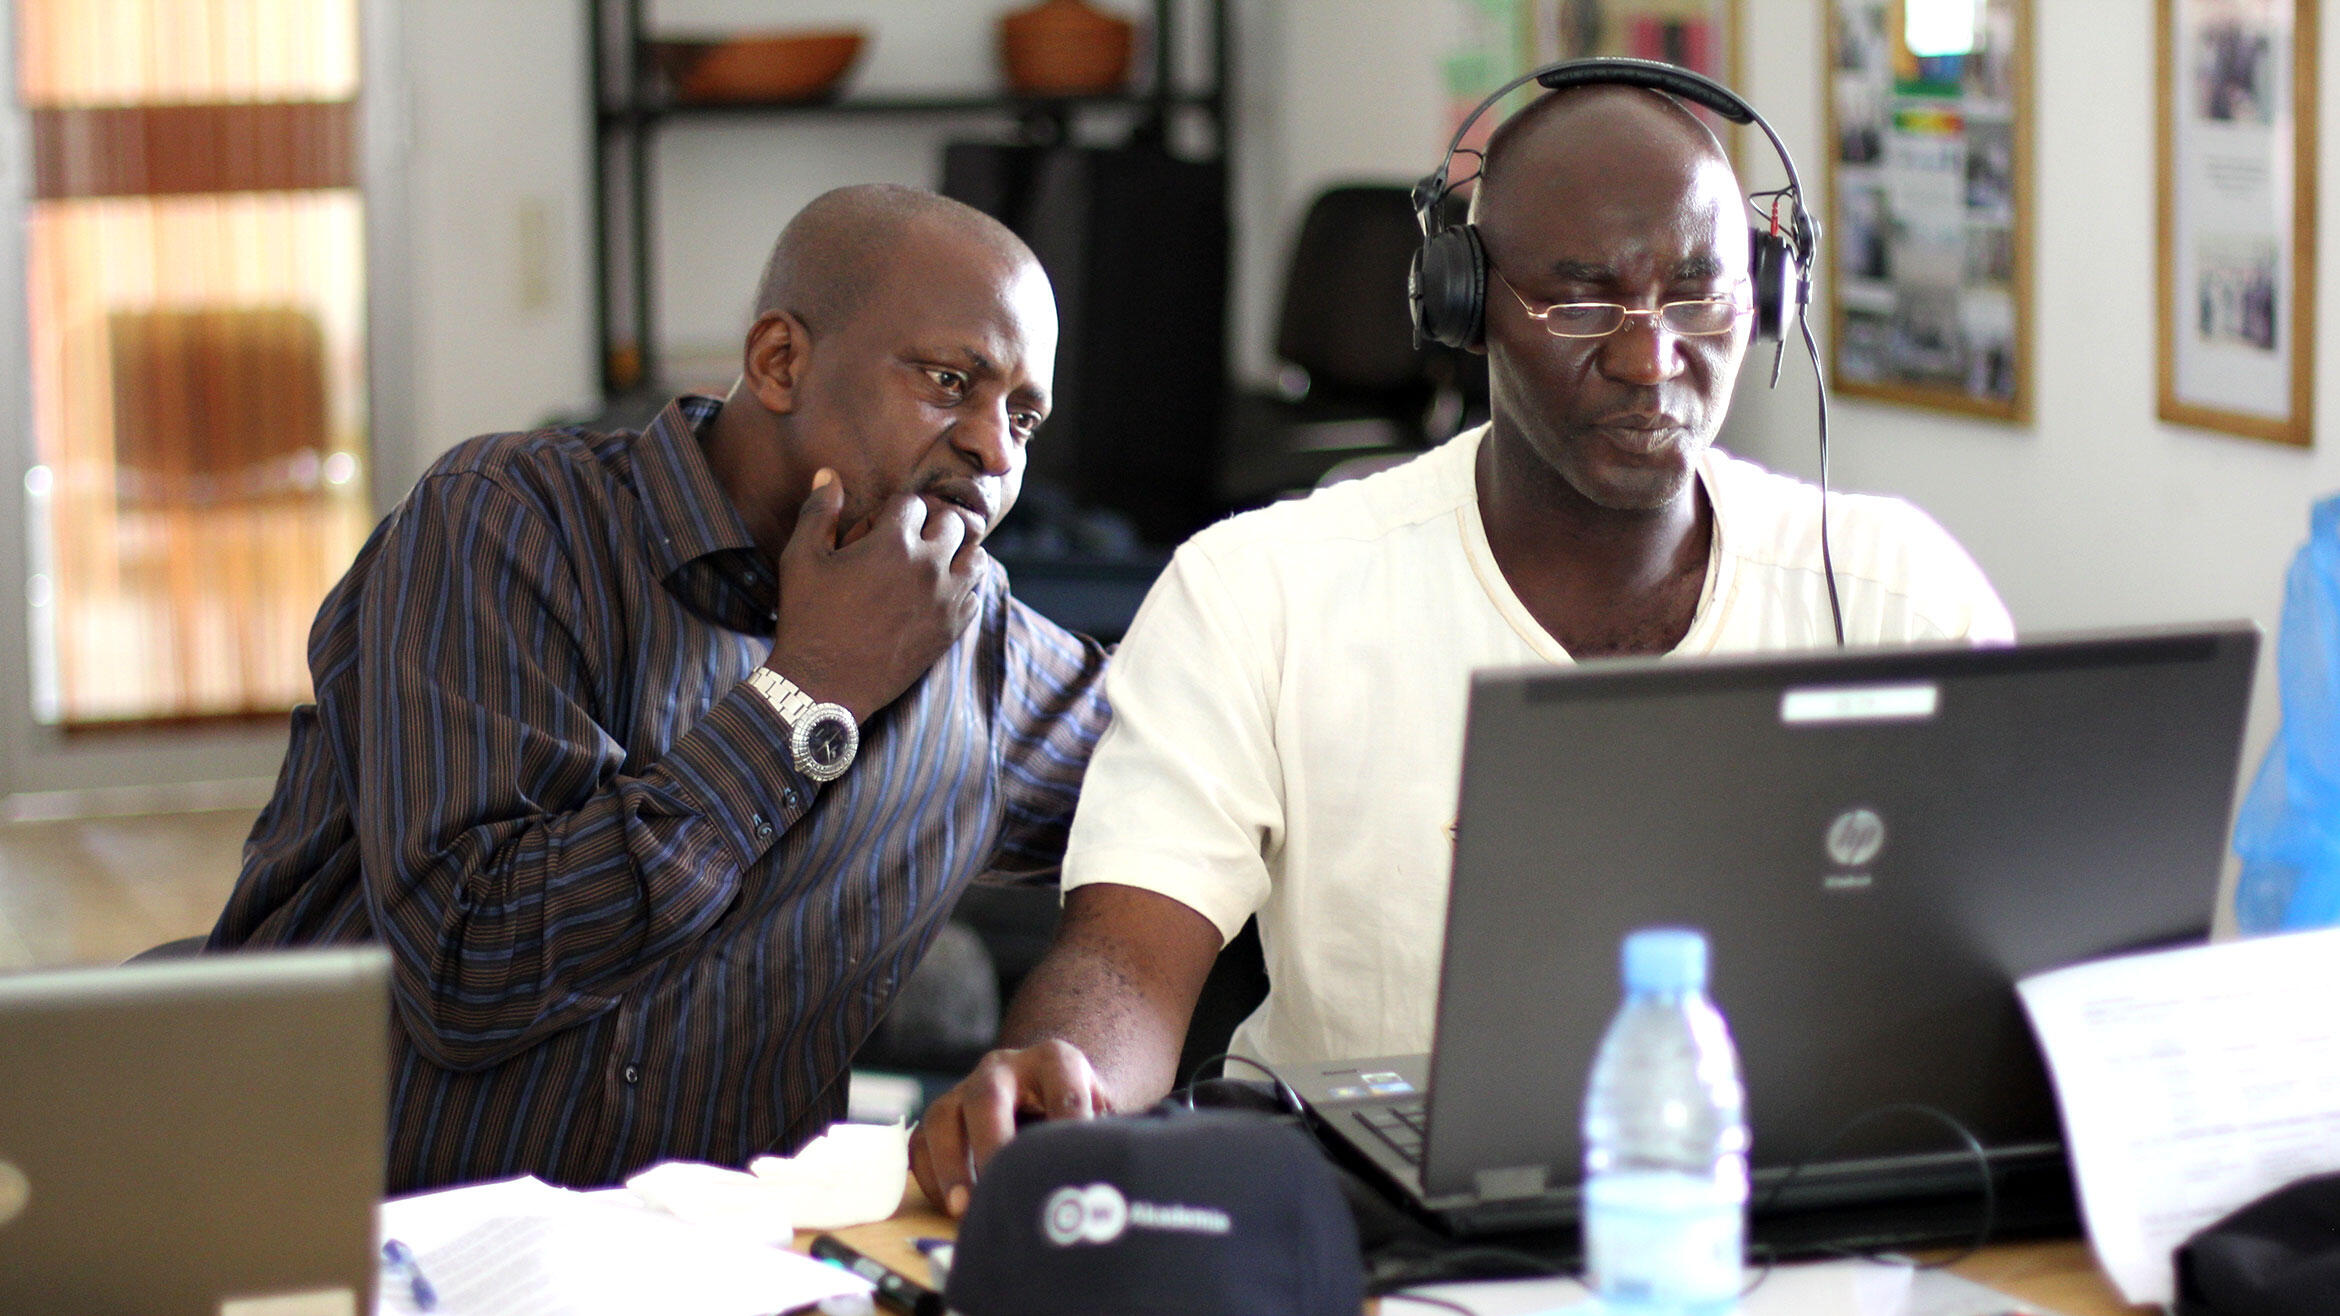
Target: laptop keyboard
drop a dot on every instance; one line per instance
(1399, 1124)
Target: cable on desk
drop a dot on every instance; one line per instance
(1284, 1091)
(1464, 1264)
(1982, 1163)
(1480, 1262)
(1485, 1262)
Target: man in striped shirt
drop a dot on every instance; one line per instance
(657, 759)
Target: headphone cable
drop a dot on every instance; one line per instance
(1820, 394)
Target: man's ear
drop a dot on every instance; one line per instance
(777, 348)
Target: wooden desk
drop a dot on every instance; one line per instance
(2060, 1275)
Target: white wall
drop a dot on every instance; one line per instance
(498, 234)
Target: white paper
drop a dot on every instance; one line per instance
(426, 1220)
(729, 1201)
(851, 1175)
(524, 1248)
(2192, 1082)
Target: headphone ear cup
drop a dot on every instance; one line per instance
(1448, 287)
(1774, 276)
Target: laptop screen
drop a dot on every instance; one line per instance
(187, 1133)
(1877, 844)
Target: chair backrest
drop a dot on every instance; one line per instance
(1345, 320)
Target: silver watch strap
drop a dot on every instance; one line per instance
(786, 699)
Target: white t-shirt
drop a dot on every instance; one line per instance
(1288, 711)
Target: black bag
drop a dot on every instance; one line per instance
(2278, 1256)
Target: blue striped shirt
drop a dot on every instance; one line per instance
(624, 929)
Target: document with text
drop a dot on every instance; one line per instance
(2191, 1082)
(524, 1248)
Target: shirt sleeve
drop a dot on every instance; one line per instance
(520, 870)
(1949, 591)
(1185, 796)
(1052, 710)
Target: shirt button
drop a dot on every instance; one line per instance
(763, 829)
(633, 1075)
(788, 797)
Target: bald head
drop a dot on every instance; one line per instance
(838, 249)
(1596, 123)
(1631, 154)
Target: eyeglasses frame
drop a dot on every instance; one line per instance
(1740, 311)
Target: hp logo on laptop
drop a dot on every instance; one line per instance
(1854, 839)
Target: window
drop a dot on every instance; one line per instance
(196, 286)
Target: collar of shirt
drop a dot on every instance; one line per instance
(696, 539)
(687, 512)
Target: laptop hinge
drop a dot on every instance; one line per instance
(1512, 1181)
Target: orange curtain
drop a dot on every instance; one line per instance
(196, 284)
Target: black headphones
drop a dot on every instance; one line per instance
(1447, 285)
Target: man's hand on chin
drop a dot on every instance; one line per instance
(965, 1126)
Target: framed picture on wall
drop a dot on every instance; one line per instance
(1929, 183)
(2237, 236)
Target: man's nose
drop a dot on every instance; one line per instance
(1642, 351)
(986, 437)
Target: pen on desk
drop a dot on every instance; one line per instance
(399, 1257)
(937, 1252)
(895, 1289)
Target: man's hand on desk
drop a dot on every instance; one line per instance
(965, 1126)
(1102, 1015)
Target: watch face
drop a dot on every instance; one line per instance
(829, 741)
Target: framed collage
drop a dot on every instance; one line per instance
(1929, 183)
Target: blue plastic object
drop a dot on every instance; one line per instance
(2288, 833)
(1665, 960)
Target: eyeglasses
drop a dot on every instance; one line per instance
(1693, 318)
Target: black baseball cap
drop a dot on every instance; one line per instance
(1178, 1213)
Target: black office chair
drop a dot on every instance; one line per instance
(1352, 384)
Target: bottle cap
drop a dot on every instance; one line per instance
(1665, 960)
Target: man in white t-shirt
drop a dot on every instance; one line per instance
(1288, 707)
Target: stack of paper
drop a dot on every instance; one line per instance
(2192, 1082)
(525, 1248)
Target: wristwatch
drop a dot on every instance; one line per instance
(822, 738)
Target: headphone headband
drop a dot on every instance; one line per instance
(1452, 264)
(1689, 84)
(1673, 79)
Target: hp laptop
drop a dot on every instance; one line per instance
(1878, 844)
(193, 1136)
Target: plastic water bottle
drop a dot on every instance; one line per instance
(1665, 1141)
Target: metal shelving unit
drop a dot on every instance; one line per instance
(631, 111)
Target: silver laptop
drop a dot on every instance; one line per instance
(193, 1136)
(1877, 844)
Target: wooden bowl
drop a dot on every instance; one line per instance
(759, 66)
(1065, 48)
